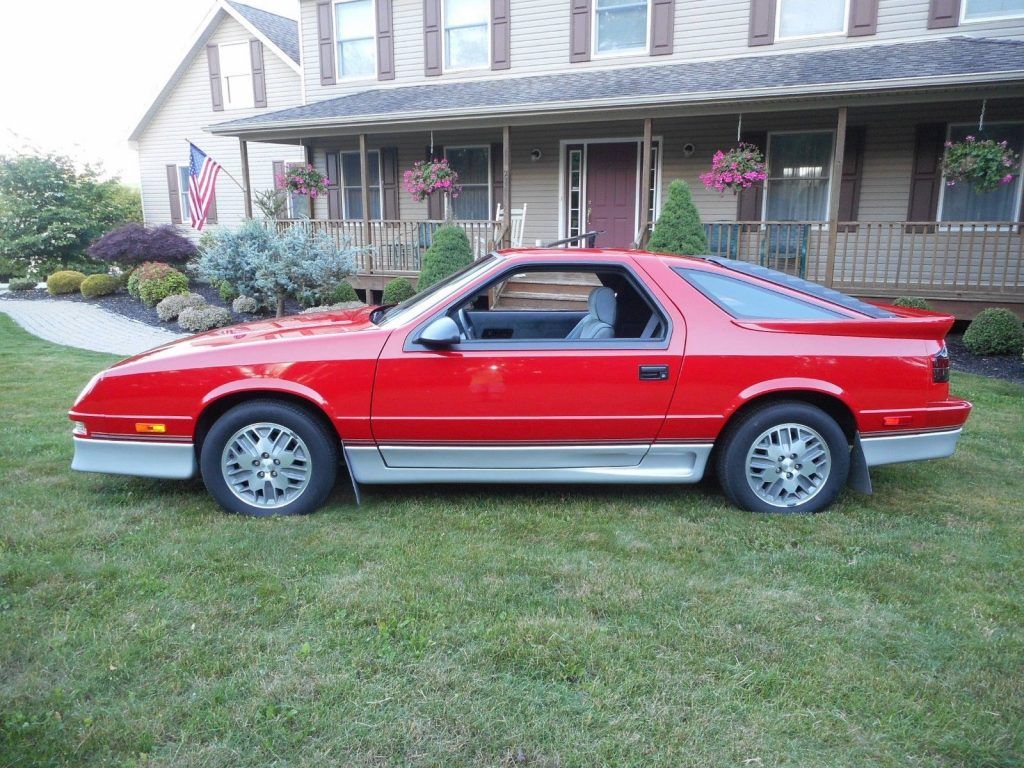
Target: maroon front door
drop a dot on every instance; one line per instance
(611, 193)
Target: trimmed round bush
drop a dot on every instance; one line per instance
(995, 331)
(95, 286)
(152, 290)
(147, 271)
(227, 291)
(23, 284)
(911, 302)
(196, 319)
(65, 281)
(245, 304)
(449, 252)
(170, 307)
(678, 229)
(397, 291)
(341, 293)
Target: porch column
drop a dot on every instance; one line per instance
(835, 184)
(308, 152)
(506, 186)
(645, 184)
(364, 173)
(243, 153)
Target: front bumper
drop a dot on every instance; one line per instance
(169, 461)
(890, 449)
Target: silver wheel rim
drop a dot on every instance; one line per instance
(266, 465)
(788, 465)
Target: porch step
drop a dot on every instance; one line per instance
(554, 290)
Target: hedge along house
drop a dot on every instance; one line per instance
(584, 113)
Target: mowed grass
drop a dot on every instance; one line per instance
(505, 626)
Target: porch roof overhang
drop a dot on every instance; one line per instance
(963, 67)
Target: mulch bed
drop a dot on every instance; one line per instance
(1005, 367)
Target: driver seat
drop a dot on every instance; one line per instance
(599, 322)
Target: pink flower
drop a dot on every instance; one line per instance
(1006, 179)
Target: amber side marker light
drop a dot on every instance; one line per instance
(150, 429)
(896, 421)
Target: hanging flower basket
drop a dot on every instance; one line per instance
(985, 163)
(432, 176)
(739, 168)
(303, 180)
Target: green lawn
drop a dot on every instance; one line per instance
(505, 626)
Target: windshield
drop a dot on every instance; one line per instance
(437, 292)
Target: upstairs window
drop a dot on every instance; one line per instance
(621, 26)
(236, 76)
(963, 203)
(352, 184)
(810, 18)
(466, 34)
(798, 176)
(473, 164)
(356, 34)
(989, 10)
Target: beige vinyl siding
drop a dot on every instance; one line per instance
(703, 29)
(185, 114)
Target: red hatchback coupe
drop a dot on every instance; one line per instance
(541, 366)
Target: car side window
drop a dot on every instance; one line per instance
(560, 304)
(746, 301)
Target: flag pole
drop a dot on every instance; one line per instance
(225, 170)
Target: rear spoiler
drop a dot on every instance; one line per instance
(929, 326)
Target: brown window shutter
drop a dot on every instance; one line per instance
(334, 186)
(579, 30)
(259, 74)
(863, 18)
(389, 183)
(432, 37)
(762, 22)
(216, 95)
(174, 193)
(435, 203)
(385, 41)
(749, 202)
(325, 35)
(853, 170)
(926, 177)
(497, 177)
(501, 34)
(943, 14)
(663, 20)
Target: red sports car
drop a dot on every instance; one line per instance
(541, 366)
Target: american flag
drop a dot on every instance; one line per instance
(202, 183)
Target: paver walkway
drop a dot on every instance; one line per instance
(84, 326)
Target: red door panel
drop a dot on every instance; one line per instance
(611, 193)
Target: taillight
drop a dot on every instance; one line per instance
(940, 365)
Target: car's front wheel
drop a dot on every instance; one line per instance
(266, 457)
(784, 457)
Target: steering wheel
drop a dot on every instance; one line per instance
(467, 328)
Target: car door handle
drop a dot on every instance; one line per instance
(653, 372)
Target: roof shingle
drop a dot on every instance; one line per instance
(280, 30)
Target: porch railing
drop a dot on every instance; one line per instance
(394, 247)
(969, 260)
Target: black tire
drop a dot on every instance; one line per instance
(319, 447)
(739, 440)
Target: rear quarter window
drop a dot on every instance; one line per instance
(746, 301)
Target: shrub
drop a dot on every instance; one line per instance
(448, 253)
(678, 229)
(135, 243)
(148, 271)
(245, 305)
(341, 293)
(95, 286)
(9, 269)
(911, 302)
(397, 291)
(153, 289)
(65, 281)
(170, 307)
(227, 291)
(203, 318)
(23, 284)
(995, 331)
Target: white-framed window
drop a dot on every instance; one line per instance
(183, 176)
(991, 10)
(355, 32)
(236, 76)
(962, 202)
(467, 34)
(620, 26)
(810, 18)
(473, 164)
(352, 184)
(798, 176)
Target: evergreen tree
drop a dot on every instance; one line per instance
(449, 252)
(679, 229)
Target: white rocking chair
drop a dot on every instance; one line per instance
(518, 224)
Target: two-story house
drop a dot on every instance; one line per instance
(583, 111)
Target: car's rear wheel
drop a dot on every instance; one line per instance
(266, 457)
(784, 457)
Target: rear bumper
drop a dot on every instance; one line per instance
(171, 461)
(891, 449)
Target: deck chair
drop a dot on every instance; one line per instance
(518, 224)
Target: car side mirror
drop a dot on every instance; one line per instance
(442, 332)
